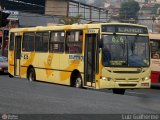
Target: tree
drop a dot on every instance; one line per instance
(70, 20)
(155, 8)
(129, 10)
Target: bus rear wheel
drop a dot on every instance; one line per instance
(119, 91)
(31, 75)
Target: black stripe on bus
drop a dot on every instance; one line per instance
(53, 69)
(11, 64)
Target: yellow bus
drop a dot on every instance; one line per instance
(104, 55)
(155, 57)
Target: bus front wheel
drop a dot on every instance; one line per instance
(119, 91)
(31, 75)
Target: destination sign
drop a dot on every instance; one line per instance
(124, 29)
(129, 30)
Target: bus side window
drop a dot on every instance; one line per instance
(11, 42)
(155, 49)
(41, 41)
(28, 41)
(74, 42)
(156, 56)
(57, 42)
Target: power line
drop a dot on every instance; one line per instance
(26, 3)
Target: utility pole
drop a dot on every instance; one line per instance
(153, 20)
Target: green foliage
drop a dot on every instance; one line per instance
(70, 20)
(129, 10)
(146, 1)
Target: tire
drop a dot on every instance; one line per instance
(119, 91)
(76, 79)
(31, 75)
(11, 76)
(76, 82)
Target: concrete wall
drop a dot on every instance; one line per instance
(56, 7)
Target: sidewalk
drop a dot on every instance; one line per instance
(155, 86)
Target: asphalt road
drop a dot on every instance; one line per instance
(19, 96)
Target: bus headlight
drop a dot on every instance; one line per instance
(106, 78)
(146, 78)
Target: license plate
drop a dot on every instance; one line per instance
(144, 84)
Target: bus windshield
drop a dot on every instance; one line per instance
(125, 51)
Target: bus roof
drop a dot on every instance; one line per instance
(129, 24)
(67, 27)
(56, 27)
(154, 36)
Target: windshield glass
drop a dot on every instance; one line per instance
(121, 50)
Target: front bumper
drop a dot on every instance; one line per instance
(125, 84)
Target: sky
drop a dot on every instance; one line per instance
(98, 3)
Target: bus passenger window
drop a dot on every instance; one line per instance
(156, 56)
(41, 41)
(155, 49)
(28, 41)
(57, 42)
(11, 42)
(74, 42)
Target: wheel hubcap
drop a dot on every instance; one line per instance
(30, 77)
(78, 82)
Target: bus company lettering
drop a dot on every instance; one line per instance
(76, 57)
(129, 30)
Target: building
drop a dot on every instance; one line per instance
(74, 8)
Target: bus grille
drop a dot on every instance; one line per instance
(125, 85)
(133, 79)
(130, 79)
(126, 71)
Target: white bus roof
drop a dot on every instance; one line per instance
(74, 26)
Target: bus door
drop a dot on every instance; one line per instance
(90, 60)
(17, 55)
